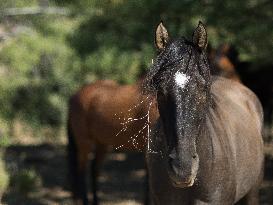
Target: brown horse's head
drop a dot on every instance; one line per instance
(180, 78)
(225, 61)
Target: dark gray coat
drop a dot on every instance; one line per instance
(230, 149)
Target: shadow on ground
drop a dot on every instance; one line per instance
(121, 180)
(122, 176)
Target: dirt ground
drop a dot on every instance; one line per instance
(121, 181)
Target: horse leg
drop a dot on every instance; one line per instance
(72, 160)
(77, 162)
(77, 177)
(77, 166)
(73, 165)
(81, 186)
(252, 198)
(147, 189)
(95, 166)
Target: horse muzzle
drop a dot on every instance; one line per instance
(183, 184)
(181, 178)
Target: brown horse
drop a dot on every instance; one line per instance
(105, 114)
(224, 61)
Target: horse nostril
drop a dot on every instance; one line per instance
(194, 156)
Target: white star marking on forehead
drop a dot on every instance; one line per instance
(181, 79)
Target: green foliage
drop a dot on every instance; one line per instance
(53, 55)
(4, 142)
(130, 24)
(18, 3)
(112, 63)
(25, 181)
(4, 178)
(39, 79)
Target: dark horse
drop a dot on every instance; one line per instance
(104, 114)
(209, 130)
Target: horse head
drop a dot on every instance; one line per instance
(180, 78)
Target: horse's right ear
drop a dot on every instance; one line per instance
(200, 36)
(161, 37)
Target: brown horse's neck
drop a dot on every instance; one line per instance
(139, 82)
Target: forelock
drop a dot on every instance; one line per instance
(178, 54)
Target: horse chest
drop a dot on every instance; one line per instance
(215, 180)
(206, 191)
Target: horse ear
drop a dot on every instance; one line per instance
(200, 36)
(161, 36)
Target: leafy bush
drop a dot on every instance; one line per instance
(115, 64)
(40, 77)
(4, 140)
(25, 181)
(128, 25)
(51, 56)
(4, 178)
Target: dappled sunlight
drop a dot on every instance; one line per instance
(138, 174)
(117, 157)
(124, 202)
(121, 180)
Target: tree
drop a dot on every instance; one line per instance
(128, 25)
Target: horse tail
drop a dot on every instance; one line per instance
(72, 159)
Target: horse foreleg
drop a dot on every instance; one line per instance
(77, 165)
(147, 200)
(94, 173)
(252, 198)
(81, 185)
(95, 166)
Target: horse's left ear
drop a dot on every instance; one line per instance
(200, 36)
(161, 37)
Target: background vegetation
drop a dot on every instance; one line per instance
(45, 57)
(4, 178)
(49, 48)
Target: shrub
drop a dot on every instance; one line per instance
(25, 181)
(4, 179)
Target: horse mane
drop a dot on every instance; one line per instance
(170, 61)
(164, 66)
